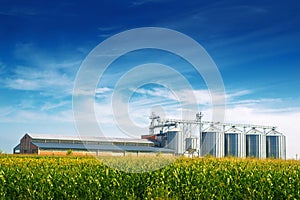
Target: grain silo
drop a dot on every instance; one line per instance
(233, 142)
(212, 142)
(275, 145)
(255, 144)
(175, 141)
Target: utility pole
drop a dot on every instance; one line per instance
(198, 119)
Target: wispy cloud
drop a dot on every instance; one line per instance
(42, 85)
(203, 96)
(107, 31)
(159, 96)
(16, 115)
(30, 78)
(32, 54)
(167, 103)
(255, 102)
(142, 2)
(19, 11)
(39, 71)
(53, 105)
(103, 90)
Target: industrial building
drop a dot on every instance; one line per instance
(202, 138)
(172, 137)
(45, 144)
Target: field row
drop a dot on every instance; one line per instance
(23, 177)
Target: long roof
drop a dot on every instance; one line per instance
(87, 138)
(101, 147)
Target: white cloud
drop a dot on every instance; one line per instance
(238, 93)
(29, 78)
(102, 93)
(102, 90)
(22, 84)
(51, 105)
(255, 102)
(144, 100)
(15, 115)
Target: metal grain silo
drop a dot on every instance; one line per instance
(175, 141)
(255, 144)
(233, 142)
(212, 142)
(275, 145)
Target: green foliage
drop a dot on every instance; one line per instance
(69, 152)
(37, 177)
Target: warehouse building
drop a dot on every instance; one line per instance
(42, 144)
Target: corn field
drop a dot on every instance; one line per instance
(36, 177)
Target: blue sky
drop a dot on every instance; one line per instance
(255, 46)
